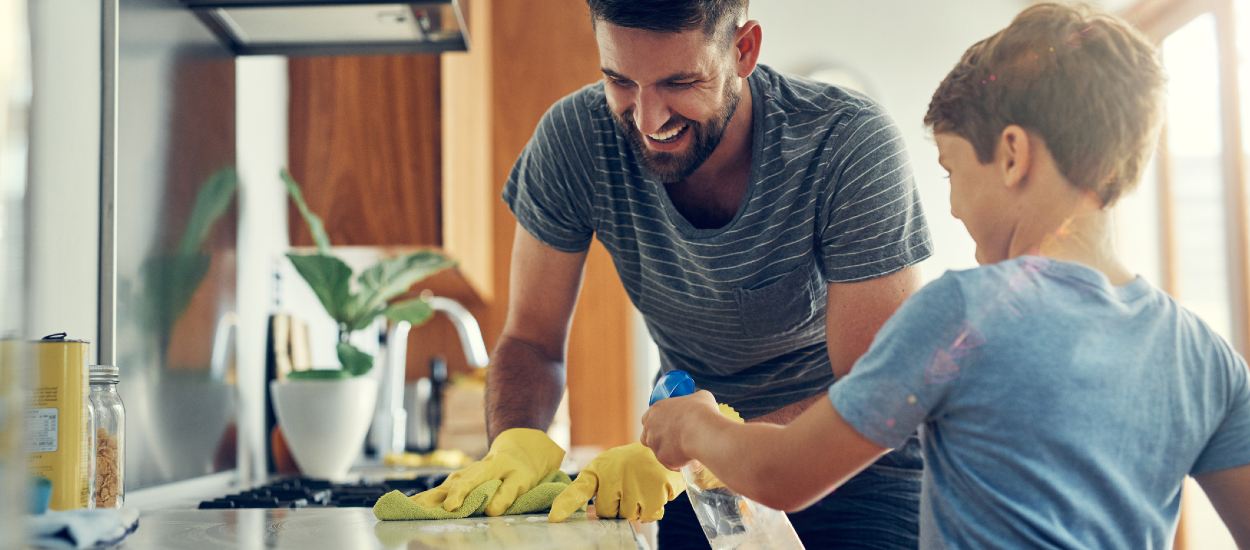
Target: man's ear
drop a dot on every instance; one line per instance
(747, 47)
(1015, 155)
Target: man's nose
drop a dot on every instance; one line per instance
(650, 111)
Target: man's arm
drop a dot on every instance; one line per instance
(856, 311)
(1229, 491)
(852, 317)
(526, 379)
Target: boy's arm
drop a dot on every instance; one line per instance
(1229, 491)
(784, 467)
(903, 379)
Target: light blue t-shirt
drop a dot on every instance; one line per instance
(1056, 410)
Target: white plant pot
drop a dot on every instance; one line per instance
(325, 421)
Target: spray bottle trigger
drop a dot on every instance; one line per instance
(674, 383)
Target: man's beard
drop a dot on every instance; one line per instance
(675, 167)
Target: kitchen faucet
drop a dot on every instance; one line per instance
(391, 419)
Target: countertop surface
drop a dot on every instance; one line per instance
(356, 528)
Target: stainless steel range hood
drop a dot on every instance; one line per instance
(336, 27)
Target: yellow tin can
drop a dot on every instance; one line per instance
(58, 423)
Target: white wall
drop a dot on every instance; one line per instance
(261, 150)
(902, 49)
(65, 168)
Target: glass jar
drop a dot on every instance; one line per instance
(109, 419)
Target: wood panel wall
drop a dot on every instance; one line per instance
(202, 143)
(365, 143)
(415, 150)
(526, 56)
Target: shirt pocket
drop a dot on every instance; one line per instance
(782, 305)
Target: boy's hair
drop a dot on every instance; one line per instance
(711, 16)
(1088, 83)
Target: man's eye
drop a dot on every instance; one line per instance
(620, 82)
(681, 85)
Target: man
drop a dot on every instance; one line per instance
(765, 226)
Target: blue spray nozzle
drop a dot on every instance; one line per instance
(674, 383)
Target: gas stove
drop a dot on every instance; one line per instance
(303, 492)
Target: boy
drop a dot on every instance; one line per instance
(1062, 400)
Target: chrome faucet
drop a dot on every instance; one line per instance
(466, 326)
(391, 419)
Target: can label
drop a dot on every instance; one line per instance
(41, 430)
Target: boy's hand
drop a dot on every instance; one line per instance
(666, 423)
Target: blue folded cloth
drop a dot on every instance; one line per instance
(81, 528)
(40, 494)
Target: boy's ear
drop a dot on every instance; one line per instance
(1015, 155)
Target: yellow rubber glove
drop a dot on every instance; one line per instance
(519, 457)
(703, 476)
(626, 482)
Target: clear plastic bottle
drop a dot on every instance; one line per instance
(108, 416)
(730, 521)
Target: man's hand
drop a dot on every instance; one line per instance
(520, 457)
(626, 482)
(666, 424)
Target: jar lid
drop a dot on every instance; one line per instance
(104, 374)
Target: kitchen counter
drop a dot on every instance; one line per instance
(356, 528)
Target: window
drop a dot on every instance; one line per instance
(1187, 225)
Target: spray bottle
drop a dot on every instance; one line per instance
(729, 520)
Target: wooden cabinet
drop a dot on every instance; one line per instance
(365, 141)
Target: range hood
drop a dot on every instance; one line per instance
(335, 27)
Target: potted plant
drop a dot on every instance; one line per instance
(325, 413)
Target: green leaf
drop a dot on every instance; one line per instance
(415, 311)
(318, 374)
(315, 226)
(329, 278)
(170, 282)
(171, 279)
(211, 202)
(355, 362)
(390, 278)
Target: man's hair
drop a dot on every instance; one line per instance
(1088, 83)
(669, 16)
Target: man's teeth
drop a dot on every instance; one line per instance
(665, 136)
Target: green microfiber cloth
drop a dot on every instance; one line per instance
(395, 506)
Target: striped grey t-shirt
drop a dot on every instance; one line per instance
(740, 307)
